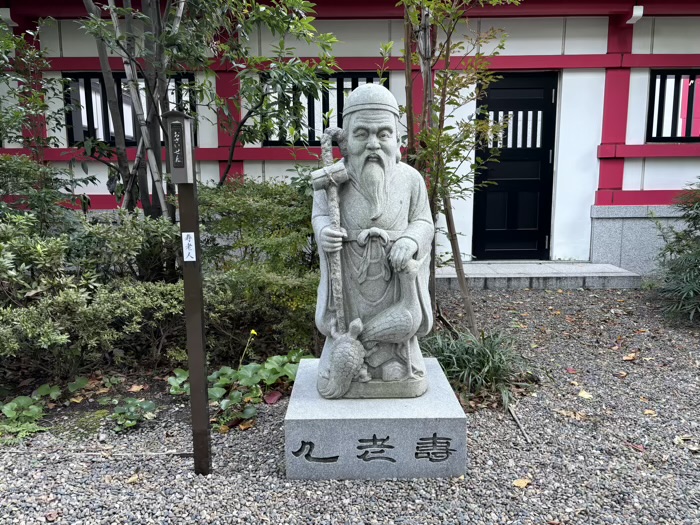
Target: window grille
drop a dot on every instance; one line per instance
(332, 100)
(89, 115)
(674, 107)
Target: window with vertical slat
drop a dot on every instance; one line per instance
(674, 106)
(325, 112)
(89, 116)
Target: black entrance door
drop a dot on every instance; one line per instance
(512, 218)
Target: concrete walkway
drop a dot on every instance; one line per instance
(540, 275)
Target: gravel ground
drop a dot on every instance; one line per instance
(592, 461)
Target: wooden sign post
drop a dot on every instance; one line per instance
(181, 153)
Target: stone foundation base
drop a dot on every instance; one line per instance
(421, 437)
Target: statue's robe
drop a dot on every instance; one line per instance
(370, 285)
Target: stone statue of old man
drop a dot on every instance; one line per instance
(373, 300)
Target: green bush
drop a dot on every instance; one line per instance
(680, 259)
(478, 366)
(259, 223)
(262, 267)
(106, 289)
(60, 334)
(45, 191)
(278, 305)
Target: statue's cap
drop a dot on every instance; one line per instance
(371, 97)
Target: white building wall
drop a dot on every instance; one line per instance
(66, 38)
(580, 118)
(549, 36)
(356, 38)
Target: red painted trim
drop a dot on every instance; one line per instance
(603, 198)
(501, 63)
(535, 62)
(227, 87)
(201, 154)
(612, 172)
(636, 198)
(373, 9)
(83, 64)
(620, 35)
(333, 9)
(615, 105)
(660, 61)
(643, 151)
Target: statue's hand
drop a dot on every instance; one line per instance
(403, 251)
(332, 240)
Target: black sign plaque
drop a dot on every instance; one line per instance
(177, 137)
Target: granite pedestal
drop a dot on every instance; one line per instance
(423, 437)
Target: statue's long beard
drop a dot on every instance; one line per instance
(373, 185)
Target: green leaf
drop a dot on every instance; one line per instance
(216, 393)
(236, 397)
(42, 391)
(249, 412)
(78, 384)
(224, 404)
(290, 369)
(147, 406)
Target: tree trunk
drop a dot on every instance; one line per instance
(132, 81)
(459, 267)
(112, 100)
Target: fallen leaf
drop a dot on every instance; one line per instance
(578, 416)
(638, 448)
(133, 479)
(522, 482)
(630, 357)
(570, 370)
(223, 429)
(272, 397)
(26, 382)
(620, 375)
(246, 424)
(50, 406)
(102, 391)
(680, 440)
(643, 399)
(136, 388)
(77, 399)
(650, 413)
(585, 395)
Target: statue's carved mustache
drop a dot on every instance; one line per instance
(374, 157)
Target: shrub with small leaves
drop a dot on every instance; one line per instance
(680, 259)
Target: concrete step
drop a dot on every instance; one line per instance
(539, 275)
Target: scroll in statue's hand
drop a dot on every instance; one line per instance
(332, 240)
(403, 251)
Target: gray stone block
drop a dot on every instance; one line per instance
(619, 212)
(424, 437)
(606, 241)
(518, 283)
(496, 283)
